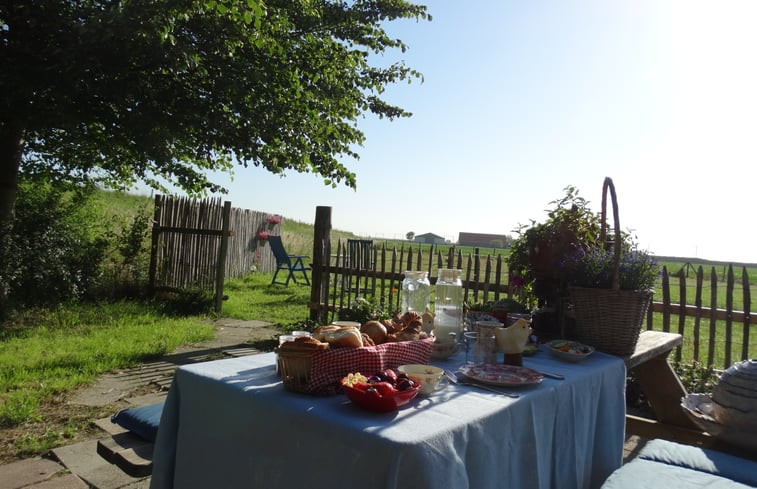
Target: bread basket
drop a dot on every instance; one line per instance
(318, 372)
(294, 368)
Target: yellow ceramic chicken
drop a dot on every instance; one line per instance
(428, 321)
(513, 339)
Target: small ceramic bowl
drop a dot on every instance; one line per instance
(429, 377)
(379, 403)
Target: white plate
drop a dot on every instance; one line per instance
(501, 375)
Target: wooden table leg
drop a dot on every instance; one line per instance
(663, 390)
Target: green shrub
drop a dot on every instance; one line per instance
(188, 302)
(363, 310)
(55, 247)
(696, 376)
(126, 265)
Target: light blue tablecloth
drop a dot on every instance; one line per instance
(230, 423)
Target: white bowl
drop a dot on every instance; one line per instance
(429, 376)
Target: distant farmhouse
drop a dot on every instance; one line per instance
(484, 240)
(429, 238)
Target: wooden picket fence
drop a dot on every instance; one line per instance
(715, 336)
(338, 279)
(197, 244)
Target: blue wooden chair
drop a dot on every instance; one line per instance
(285, 261)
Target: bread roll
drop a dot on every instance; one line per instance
(345, 337)
(375, 330)
(367, 340)
(389, 325)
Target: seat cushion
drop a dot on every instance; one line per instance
(142, 421)
(703, 460)
(642, 473)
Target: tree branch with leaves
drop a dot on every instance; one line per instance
(165, 91)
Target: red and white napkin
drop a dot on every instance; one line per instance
(328, 366)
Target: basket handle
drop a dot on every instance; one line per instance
(603, 229)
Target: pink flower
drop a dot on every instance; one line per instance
(516, 281)
(274, 219)
(263, 235)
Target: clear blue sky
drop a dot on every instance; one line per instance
(522, 98)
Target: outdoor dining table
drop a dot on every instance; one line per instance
(231, 424)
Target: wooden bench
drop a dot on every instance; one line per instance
(664, 391)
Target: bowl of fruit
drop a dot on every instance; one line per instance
(383, 392)
(571, 351)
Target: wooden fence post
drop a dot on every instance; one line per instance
(221, 263)
(319, 291)
(154, 243)
(747, 306)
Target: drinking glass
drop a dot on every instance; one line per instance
(469, 340)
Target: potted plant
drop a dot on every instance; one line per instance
(539, 249)
(537, 254)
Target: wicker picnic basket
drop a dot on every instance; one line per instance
(610, 319)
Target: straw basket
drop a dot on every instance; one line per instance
(610, 319)
(294, 368)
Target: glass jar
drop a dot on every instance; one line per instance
(486, 340)
(448, 306)
(416, 292)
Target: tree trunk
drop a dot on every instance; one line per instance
(11, 142)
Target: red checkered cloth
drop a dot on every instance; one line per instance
(329, 366)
